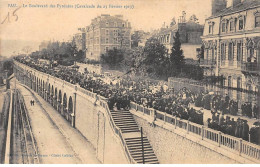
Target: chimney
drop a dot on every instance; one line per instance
(235, 2)
(218, 5)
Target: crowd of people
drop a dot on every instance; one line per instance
(147, 94)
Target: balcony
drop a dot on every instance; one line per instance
(251, 67)
(207, 63)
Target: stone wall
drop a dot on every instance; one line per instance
(174, 148)
(91, 120)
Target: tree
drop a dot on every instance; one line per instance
(113, 58)
(173, 22)
(176, 57)
(136, 38)
(155, 57)
(194, 18)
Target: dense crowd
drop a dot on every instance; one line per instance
(176, 103)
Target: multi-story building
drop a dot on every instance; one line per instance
(79, 39)
(105, 33)
(231, 40)
(190, 33)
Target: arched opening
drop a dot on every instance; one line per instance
(250, 52)
(43, 89)
(55, 98)
(49, 93)
(70, 109)
(59, 101)
(52, 94)
(65, 104)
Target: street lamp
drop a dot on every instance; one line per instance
(142, 142)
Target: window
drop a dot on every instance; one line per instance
(223, 50)
(257, 21)
(123, 25)
(241, 24)
(106, 48)
(238, 82)
(107, 24)
(223, 27)
(230, 51)
(106, 40)
(229, 82)
(115, 32)
(210, 29)
(232, 26)
(212, 54)
(239, 51)
(115, 40)
(107, 32)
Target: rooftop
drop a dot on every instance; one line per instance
(245, 5)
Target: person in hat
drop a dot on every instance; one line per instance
(245, 130)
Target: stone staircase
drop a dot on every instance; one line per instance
(125, 121)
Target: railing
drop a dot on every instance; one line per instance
(116, 129)
(231, 143)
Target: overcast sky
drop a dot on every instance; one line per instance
(37, 24)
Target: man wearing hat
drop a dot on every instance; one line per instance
(245, 130)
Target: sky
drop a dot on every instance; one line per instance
(29, 26)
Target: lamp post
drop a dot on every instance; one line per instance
(142, 141)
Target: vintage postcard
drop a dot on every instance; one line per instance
(129, 81)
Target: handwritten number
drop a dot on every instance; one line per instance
(14, 15)
(7, 18)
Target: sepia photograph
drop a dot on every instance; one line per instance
(130, 82)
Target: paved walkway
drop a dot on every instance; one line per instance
(57, 141)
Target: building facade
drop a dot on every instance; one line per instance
(231, 40)
(190, 33)
(105, 33)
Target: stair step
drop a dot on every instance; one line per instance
(140, 153)
(146, 158)
(141, 161)
(128, 126)
(145, 155)
(138, 144)
(119, 113)
(128, 131)
(136, 139)
(122, 118)
(139, 147)
(126, 123)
